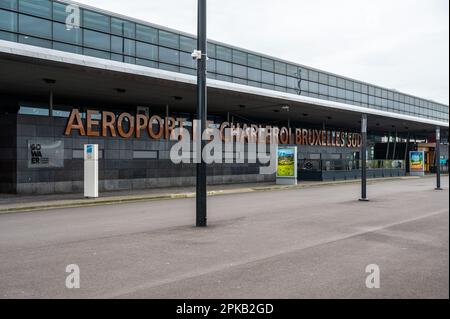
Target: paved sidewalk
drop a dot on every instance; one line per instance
(19, 203)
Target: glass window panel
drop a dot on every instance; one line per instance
(254, 74)
(123, 28)
(280, 80)
(292, 83)
(169, 39)
(169, 56)
(292, 70)
(239, 71)
(223, 53)
(223, 67)
(123, 46)
(254, 61)
(313, 87)
(255, 84)
(187, 61)
(314, 76)
(384, 94)
(280, 67)
(341, 93)
(304, 73)
(323, 89)
(378, 92)
(357, 87)
(332, 80)
(268, 77)
(150, 64)
(64, 34)
(188, 71)
(267, 64)
(323, 78)
(332, 91)
(349, 85)
(240, 81)
(8, 21)
(239, 57)
(280, 88)
(67, 47)
(211, 65)
(35, 41)
(211, 50)
(8, 4)
(371, 90)
(8, 36)
(35, 26)
(59, 12)
(96, 21)
(97, 53)
(221, 77)
(97, 40)
(147, 34)
(268, 86)
(357, 97)
(304, 85)
(341, 83)
(146, 51)
(187, 44)
(349, 95)
(169, 67)
(42, 8)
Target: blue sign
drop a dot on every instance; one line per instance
(89, 149)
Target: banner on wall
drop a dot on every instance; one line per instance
(45, 153)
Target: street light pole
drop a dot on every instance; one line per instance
(438, 158)
(201, 55)
(364, 158)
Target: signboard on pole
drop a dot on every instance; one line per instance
(91, 170)
(287, 165)
(417, 163)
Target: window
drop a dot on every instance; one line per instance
(123, 46)
(67, 47)
(150, 64)
(254, 75)
(323, 89)
(314, 76)
(35, 41)
(239, 57)
(223, 67)
(210, 65)
(146, 34)
(63, 34)
(254, 61)
(267, 64)
(313, 87)
(292, 70)
(239, 71)
(280, 80)
(187, 44)
(349, 95)
(8, 36)
(169, 39)
(8, 4)
(146, 51)
(292, 83)
(8, 21)
(332, 91)
(341, 83)
(332, 80)
(187, 61)
(97, 40)
(357, 87)
(123, 28)
(169, 56)
(97, 53)
(268, 77)
(42, 8)
(223, 53)
(323, 78)
(211, 50)
(96, 21)
(280, 67)
(35, 26)
(349, 85)
(59, 12)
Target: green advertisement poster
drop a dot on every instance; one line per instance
(286, 162)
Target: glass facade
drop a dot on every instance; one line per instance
(42, 23)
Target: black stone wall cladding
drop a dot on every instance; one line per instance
(117, 168)
(8, 124)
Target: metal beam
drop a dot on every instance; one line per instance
(201, 199)
(364, 158)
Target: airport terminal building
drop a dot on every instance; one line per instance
(124, 84)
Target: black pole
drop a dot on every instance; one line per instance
(201, 220)
(438, 158)
(364, 158)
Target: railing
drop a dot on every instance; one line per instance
(348, 165)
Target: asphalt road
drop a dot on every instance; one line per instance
(304, 243)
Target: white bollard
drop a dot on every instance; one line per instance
(91, 170)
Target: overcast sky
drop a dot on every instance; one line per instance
(401, 44)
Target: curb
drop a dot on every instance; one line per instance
(133, 199)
